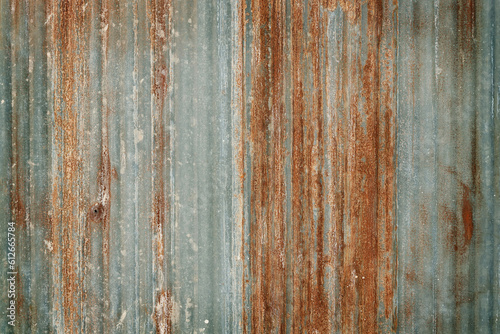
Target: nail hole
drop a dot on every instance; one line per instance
(96, 211)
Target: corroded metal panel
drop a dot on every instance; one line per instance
(214, 166)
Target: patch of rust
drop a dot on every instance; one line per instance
(163, 312)
(366, 150)
(160, 15)
(466, 213)
(260, 299)
(318, 303)
(298, 169)
(66, 139)
(467, 219)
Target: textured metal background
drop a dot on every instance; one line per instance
(315, 166)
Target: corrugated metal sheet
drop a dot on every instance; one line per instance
(214, 166)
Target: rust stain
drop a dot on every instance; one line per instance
(114, 174)
(349, 273)
(261, 296)
(275, 262)
(467, 216)
(160, 18)
(299, 311)
(102, 209)
(163, 312)
(331, 5)
(96, 212)
(318, 303)
(361, 144)
(466, 29)
(159, 86)
(67, 27)
(352, 8)
(467, 49)
(366, 180)
(411, 276)
(387, 161)
(310, 304)
(466, 213)
(367, 277)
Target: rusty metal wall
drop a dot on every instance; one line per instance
(218, 166)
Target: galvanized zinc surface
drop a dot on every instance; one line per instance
(218, 166)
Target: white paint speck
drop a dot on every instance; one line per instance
(49, 245)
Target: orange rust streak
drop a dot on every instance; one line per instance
(467, 213)
(298, 170)
(275, 274)
(160, 34)
(367, 168)
(337, 132)
(466, 26)
(349, 88)
(352, 8)
(369, 143)
(66, 121)
(466, 45)
(259, 123)
(162, 312)
(330, 4)
(467, 216)
(318, 305)
(387, 169)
